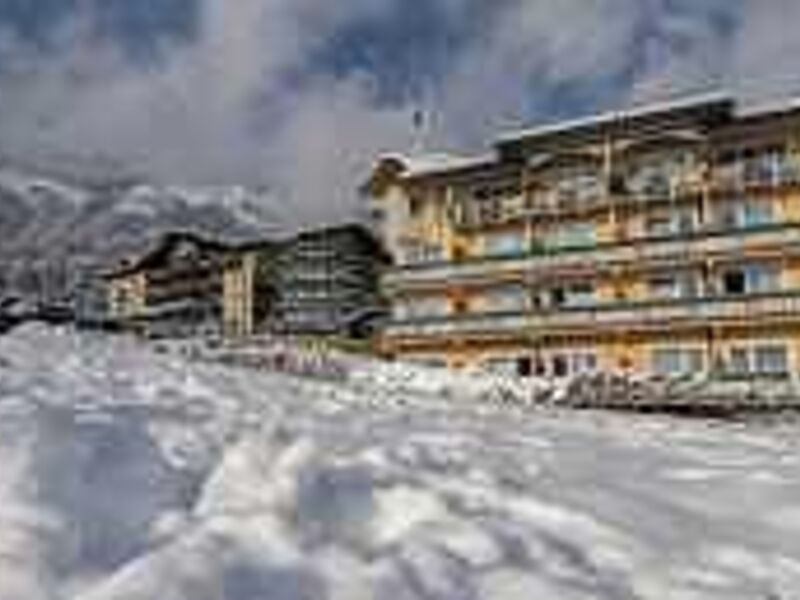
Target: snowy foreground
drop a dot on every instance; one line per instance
(131, 475)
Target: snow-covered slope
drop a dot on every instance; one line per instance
(50, 223)
(131, 475)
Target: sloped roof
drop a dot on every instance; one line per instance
(718, 100)
(161, 250)
(431, 164)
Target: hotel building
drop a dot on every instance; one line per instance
(173, 290)
(320, 282)
(662, 239)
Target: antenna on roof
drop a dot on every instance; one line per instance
(419, 122)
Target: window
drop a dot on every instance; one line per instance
(651, 181)
(674, 223)
(752, 166)
(581, 294)
(762, 278)
(788, 167)
(659, 226)
(575, 295)
(760, 165)
(503, 244)
(506, 299)
(678, 285)
(655, 175)
(761, 359)
(584, 362)
(734, 282)
(739, 362)
(771, 360)
(419, 252)
(676, 361)
(524, 367)
(557, 297)
(757, 213)
(751, 279)
(578, 235)
(415, 206)
(582, 187)
(459, 253)
(567, 363)
(742, 214)
(560, 365)
(460, 306)
(540, 367)
(420, 308)
(500, 366)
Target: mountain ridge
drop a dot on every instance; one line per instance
(57, 225)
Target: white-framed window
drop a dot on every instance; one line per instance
(574, 295)
(504, 244)
(766, 358)
(677, 222)
(743, 214)
(506, 299)
(674, 286)
(419, 252)
(761, 165)
(751, 279)
(754, 166)
(569, 362)
(676, 360)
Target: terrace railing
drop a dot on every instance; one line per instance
(694, 245)
(655, 314)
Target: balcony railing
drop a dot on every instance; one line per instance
(656, 314)
(757, 173)
(496, 323)
(695, 245)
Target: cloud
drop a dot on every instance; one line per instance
(301, 94)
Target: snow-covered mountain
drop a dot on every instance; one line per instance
(51, 222)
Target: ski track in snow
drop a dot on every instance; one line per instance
(130, 475)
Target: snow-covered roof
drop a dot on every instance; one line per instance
(616, 115)
(430, 164)
(768, 108)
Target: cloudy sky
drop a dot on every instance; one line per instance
(301, 94)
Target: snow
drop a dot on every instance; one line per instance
(421, 165)
(128, 474)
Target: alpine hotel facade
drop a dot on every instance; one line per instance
(663, 239)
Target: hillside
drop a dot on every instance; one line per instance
(54, 225)
(129, 474)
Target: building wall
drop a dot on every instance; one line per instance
(720, 237)
(127, 295)
(326, 281)
(174, 290)
(238, 299)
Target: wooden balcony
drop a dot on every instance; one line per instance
(641, 252)
(656, 315)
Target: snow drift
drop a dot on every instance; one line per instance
(129, 475)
